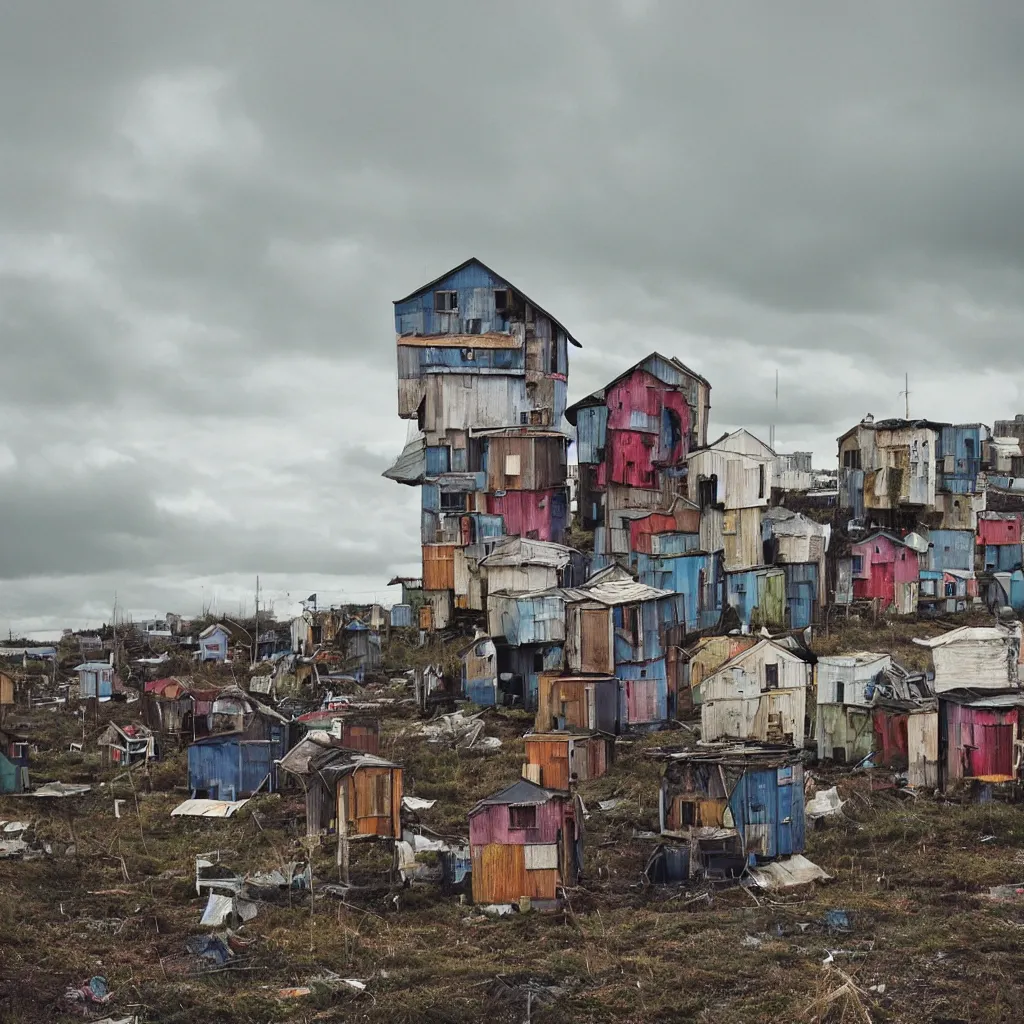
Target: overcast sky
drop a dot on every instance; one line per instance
(207, 208)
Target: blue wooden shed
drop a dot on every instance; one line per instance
(756, 791)
(238, 762)
(95, 679)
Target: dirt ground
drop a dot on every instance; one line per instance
(116, 897)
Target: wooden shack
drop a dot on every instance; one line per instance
(526, 840)
(556, 759)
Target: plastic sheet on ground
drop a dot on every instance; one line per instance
(220, 908)
(782, 874)
(207, 808)
(416, 803)
(826, 803)
(459, 730)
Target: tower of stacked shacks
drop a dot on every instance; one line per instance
(482, 370)
(916, 495)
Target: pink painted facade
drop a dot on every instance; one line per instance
(999, 531)
(979, 742)
(529, 514)
(883, 562)
(491, 824)
(640, 403)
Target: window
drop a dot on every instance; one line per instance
(524, 418)
(707, 491)
(513, 465)
(522, 817)
(538, 661)
(851, 459)
(771, 677)
(858, 564)
(761, 475)
(840, 692)
(453, 501)
(468, 355)
(553, 355)
(474, 325)
(446, 302)
(500, 300)
(631, 622)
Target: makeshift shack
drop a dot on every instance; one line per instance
(241, 755)
(981, 738)
(733, 802)
(760, 695)
(125, 745)
(577, 704)
(525, 841)
(555, 760)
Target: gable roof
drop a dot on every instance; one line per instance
(793, 655)
(211, 629)
(522, 551)
(969, 634)
(719, 444)
(480, 263)
(646, 364)
(521, 792)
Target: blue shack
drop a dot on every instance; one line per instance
(754, 793)
(95, 679)
(617, 626)
(241, 755)
(213, 643)
(959, 457)
(529, 634)
(696, 576)
(951, 549)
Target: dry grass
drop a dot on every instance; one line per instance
(927, 942)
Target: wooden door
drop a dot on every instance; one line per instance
(595, 641)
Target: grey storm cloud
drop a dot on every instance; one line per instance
(208, 208)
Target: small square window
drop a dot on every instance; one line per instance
(500, 300)
(522, 817)
(771, 677)
(446, 302)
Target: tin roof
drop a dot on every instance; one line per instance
(598, 397)
(520, 551)
(521, 792)
(521, 294)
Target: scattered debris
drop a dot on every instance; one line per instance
(208, 808)
(782, 874)
(221, 909)
(95, 990)
(464, 732)
(826, 803)
(838, 921)
(329, 981)
(415, 803)
(56, 789)
(1006, 892)
(610, 805)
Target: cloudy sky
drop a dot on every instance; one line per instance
(207, 208)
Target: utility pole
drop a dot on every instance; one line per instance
(906, 393)
(771, 432)
(256, 630)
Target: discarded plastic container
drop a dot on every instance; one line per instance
(524, 904)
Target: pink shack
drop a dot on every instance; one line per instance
(886, 568)
(525, 841)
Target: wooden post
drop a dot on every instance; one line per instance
(343, 844)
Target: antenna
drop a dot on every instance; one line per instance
(771, 429)
(906, 393)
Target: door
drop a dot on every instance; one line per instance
(595, 641)
(785, 832)
(995, 757)
(256, 765)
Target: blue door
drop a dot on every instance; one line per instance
(784, 830)
(256, 764)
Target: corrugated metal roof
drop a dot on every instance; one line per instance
(967, 634)
(480, 263)
(91, 666)
(411, 466)
(598, 397)
(207, 808)
(520, 551)
(520, 792)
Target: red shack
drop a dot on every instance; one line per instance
(886, 568)
(980, 737)
(525, 841)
